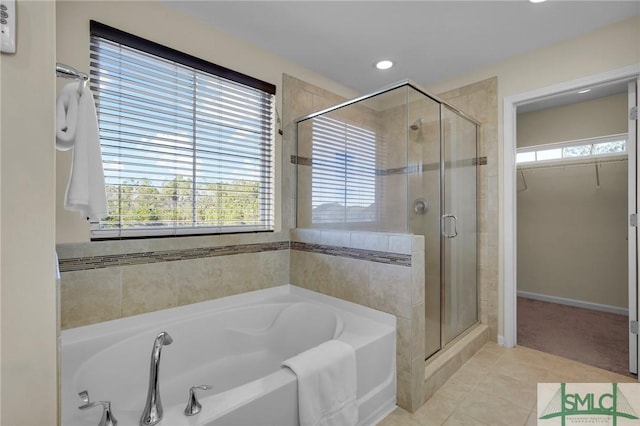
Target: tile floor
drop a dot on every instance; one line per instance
(498, 386)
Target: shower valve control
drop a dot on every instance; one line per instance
(420, 206)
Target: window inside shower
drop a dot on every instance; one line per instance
(343, 177)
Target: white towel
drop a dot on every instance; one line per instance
(67, 116)
(326, 384)
(86, 189)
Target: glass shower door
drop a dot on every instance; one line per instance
(458, 224)
(423, 149)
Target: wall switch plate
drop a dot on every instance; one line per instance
(8, 26)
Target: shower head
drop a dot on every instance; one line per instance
(416, 125)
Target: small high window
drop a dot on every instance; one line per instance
(187, 145)
(588, 148)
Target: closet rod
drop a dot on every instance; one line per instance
(66, 71)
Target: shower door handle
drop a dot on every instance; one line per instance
(455, 225)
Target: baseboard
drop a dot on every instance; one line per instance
(501, 340)
(573, 302)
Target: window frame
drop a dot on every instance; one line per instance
(535, 149)
(114, 35)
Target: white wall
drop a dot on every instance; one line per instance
(156, 22)
(27, 175)
(608, 48)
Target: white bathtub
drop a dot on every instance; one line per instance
(236, 344)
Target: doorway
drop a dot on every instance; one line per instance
(509, 225)
(572, 249)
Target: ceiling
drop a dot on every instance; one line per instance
(566, 98)
(430, 41)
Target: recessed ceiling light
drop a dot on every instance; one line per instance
(537, 1)
(584, 91)
(385, 64)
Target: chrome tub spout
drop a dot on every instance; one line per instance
(152, 413)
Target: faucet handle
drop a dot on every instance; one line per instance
(193, 405)
(107, 419)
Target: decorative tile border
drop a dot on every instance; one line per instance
(353, 253)
(408, 170)
(126, 259)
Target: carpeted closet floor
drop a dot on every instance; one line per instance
(592, 337)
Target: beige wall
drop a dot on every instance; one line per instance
(572, 235)
(151, 20)
(28, 310)
(589, 119)
(608, 48)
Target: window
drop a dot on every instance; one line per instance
(612, 145)
(187, 145)
(343, 173)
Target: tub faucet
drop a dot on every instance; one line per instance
(152, 413)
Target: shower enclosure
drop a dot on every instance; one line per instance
(400, 161)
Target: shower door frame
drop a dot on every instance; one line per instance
(443, 300)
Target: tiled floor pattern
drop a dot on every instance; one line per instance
(498, 386)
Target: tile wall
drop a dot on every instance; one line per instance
(97, 287)
(380, 270)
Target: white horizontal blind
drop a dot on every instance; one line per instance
(184, 151)
(343, 172)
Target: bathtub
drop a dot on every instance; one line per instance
(237, 345)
